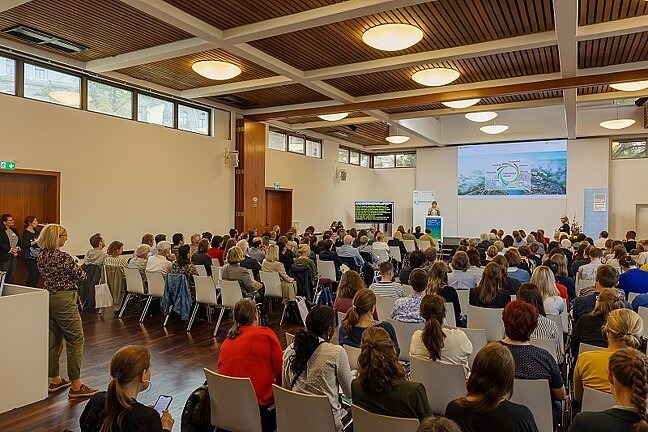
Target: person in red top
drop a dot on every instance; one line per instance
(215, 251)
(252, 351)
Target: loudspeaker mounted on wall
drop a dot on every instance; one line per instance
(232, 158)
(341, 174)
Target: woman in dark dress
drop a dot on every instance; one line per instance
(31, 250)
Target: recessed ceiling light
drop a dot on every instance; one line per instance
(397, 139)
(630, 86)
(435, 77)
(66, 97)
(493, 129)
(216, 70)
(481, 117)
(333, 117)
(461, 103)
(392, 37)
(617, 123)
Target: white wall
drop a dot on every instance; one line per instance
(119, 177)
(396, 185)
(627, 190)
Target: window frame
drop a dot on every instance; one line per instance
(162, 98)
(199, 108)
(278, 131)
(319, 144)
(17, 81)
(86, 94)
(20, 66)
(303, 138)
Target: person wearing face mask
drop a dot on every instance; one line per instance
(117, 409)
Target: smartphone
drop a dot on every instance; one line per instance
(162, 403)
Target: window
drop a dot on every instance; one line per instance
(354, 158)
(193, 119)
(343, 155)
(406, 160)
(153, 110)
(296, 144)
(630, 149)
(383, 161)
(111, 100)
(364, 160)
(52, 86)
(313, 148)
(8, 76)
(277, 140)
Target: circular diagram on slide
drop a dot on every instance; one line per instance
(508, 173)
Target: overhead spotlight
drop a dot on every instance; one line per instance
(333, 117)
(436, 77)
(392, 37)
(481, 117)
(461, 103)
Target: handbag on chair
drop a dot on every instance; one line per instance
(103, 296)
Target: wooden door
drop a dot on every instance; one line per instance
(29, 193)
(279, 208)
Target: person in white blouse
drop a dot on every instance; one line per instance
(545, 280)
(435, 342)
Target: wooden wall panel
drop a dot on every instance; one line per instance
(250, 175)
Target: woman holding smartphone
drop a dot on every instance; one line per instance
(117, 409)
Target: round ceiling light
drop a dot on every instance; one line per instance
(481, 117)
(493, 129)
(617, 124)
(333, 117)
(461, 103)
(436, 76)
(66, 97)
(630, 86)
(392, 37)
(397, 139)
(216, 70)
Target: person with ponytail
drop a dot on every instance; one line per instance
(438, 284)
(623, 328)
(446, 345)
(312, 365)
(117, 409)
(490, 292)
(490, 386)
(361, 317)
(252, 351)
(628, 379)
(382, 386)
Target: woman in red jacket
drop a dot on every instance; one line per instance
(252, 351)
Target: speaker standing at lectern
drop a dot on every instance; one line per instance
(565, 225)
(434, 210)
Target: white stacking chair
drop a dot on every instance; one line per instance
(340, 317)
(230, 295)
(443, 382)
(410, 245)
(548, 345)
(394, 251)
(631, 296)
(202, 271)
(535, 395)
(404, 332)
(489, 319)
(251, 273)
(326, 269)
(289, 403)
(464, 299)
(134, 286)
(205, 294)
(272, 284)
(289, 338)
(384, 307)
(643, 313)
(584, 347)
(155, 281)
(407, 288)
(423, 244)
(233, 403)
(365, 421)
(382, 255)
(477, 339)
(353, 353)
(582, 283)
(215, 262)
(215, 278)
(450, 319)
(595, 401)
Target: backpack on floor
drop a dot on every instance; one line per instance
(196, 415)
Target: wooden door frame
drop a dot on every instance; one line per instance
(285, 191)
(57, 186)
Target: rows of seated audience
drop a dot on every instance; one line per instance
(599, 285)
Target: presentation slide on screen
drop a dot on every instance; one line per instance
(535, 169)
(374, 212)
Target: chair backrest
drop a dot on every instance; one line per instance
(364, 421)
(216, 278)
(394, 251)
(233, 403)
(404, 332)
(230, 293)
(353, 353)
(205, 290)
(548, 345)
(489, 319)
(215, 262)
(450, 318)
(271, 282)
(631, 296)
(350, 262)
(340, 317)
(134, 282)
(156, 284)
(290, 404)
(584, 347)
(535, 395)
(384, 307)
(464, 299)
(423, 244)
(290, 337)
(558, 320)
(202, 271)
(443, 382)
(478, 339)
(595, 401)
(382, 255)
(408, 289)
(643, 313)
(251, 273)
(582, 283)
(326, 269)
(410, 245)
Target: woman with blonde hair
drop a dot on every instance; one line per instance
(623, 328)
(490, 292)
(438, 284)
(271, 263)
(304, 260)
(117, 409)
(544, 279)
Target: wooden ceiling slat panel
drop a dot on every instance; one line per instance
(498, 66)
(365, 134)
(595, 90)
(176, 73)
(108, 27)
(282, 95)
(341, 42)
(598, 11)
(622, 49)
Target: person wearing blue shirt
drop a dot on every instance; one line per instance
(348, 251)
(632, 280)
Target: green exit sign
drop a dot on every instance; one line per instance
(7, 165)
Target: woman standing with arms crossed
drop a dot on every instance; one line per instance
(32, 250)
(60, 276)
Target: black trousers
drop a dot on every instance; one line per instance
(33, 274)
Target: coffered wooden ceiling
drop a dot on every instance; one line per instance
(308, 57)
(365, 134)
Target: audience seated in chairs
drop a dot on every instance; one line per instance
(160, 262)
(286, 256)
(288, 285)
(632, 280)
(461, 278)
(561, 274)
(350, 284)
(511, 284)
(215, 251)
(201, 257)
(96, 255)
(386, 287)
(305, 261)
(248, 262)
(514, 259)
(183, 265)
(606, 277)
(115, 264)
(588, 329)
(139, 261)
(416, 261)
(380, 244)
(438, 284)
(552, 298)
(364, 246)
(408, 309)
(234, 272)
(490, 292)
(328, 254)
(348, 251)
(475, 266)
(546, 328)
(397, 240)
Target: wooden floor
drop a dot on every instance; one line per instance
(178, 359)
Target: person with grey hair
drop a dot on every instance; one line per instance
(140, 259)
(348, 251)
(160, 262)
(249, 262)
(364, 246)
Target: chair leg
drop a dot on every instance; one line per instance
(193, 316)
(220, 317)
(146, 308)
(168, 315)
(283, 313)
(123, 308)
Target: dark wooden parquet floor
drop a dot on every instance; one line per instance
(178, 359)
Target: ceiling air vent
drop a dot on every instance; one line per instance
(37, 37)
(237, 101)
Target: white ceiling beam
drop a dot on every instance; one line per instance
(324, 123)
(383, 116)
(607, 96)
(566, 22)
(307, 105)
(5, 5)
(569, 99)
(442, 55)
(313, 18)
(235, 87)
(149, 55)
(625, 67)
(612, 28)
